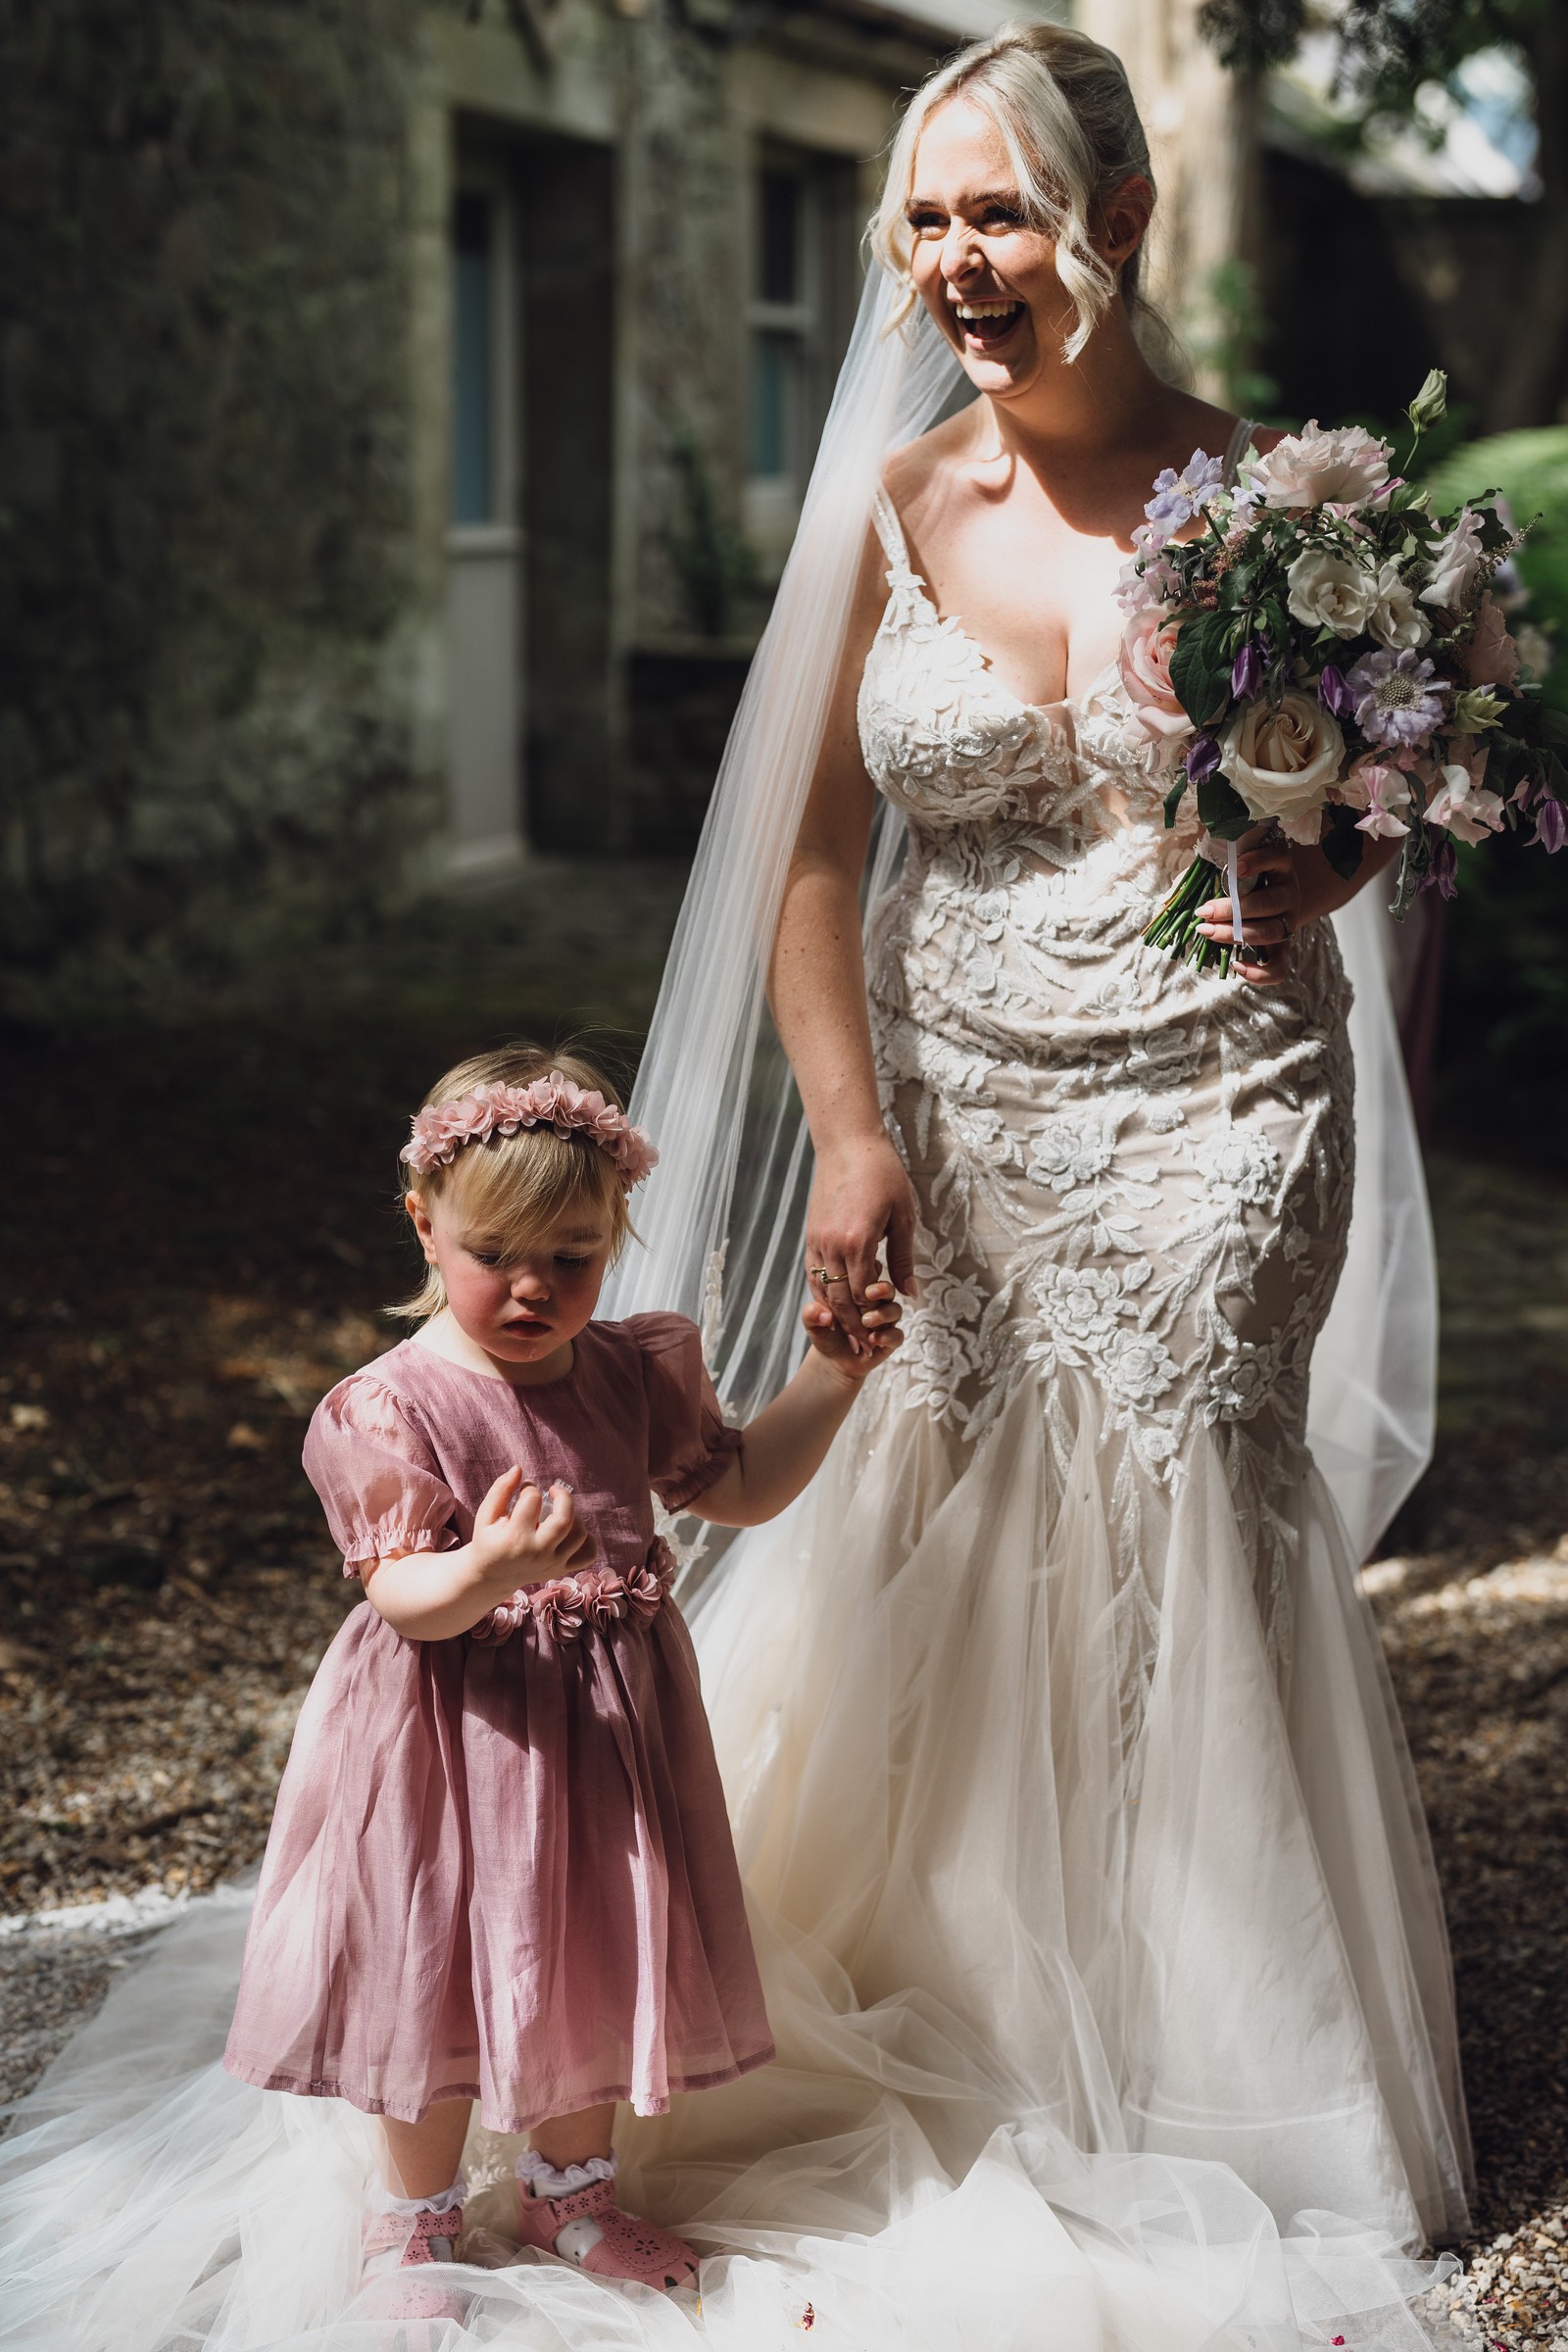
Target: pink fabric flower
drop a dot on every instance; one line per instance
(603, 1596)
(1156, 717)
(557, 1608)
(1490, 656)
(439, 1131)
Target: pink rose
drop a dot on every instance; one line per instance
(1313, 468)
(1490, 656)
(1156, 717)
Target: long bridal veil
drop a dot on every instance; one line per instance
(898, 2181)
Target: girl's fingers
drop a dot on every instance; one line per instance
(497, 1505)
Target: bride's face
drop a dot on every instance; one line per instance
(986, 274)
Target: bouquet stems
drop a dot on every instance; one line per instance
(1175, 927)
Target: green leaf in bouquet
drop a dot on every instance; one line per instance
(1199, 670)
(1409, 496)
(1221, 809)
(1343, 844)
(1475, 711)
(1173, 798)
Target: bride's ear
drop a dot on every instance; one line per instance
(1124, 220)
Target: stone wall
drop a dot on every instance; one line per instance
(205, 738)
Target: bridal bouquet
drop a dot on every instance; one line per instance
(1328, 656)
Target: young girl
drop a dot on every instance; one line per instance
(500, 1866)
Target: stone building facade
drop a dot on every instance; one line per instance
(404, 410)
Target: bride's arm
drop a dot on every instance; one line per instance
(860, 1194)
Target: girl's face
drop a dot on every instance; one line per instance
(525, 1312)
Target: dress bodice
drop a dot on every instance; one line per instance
(951, 747)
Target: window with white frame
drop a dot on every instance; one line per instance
(803, 279)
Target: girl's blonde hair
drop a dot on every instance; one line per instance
(1065, 114)
(515, 1187)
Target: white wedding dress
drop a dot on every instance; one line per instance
(1096, 1910)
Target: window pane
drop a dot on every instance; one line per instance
(778, 238)
(473, 424)
(775, 359)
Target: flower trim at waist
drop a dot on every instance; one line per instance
(596, 1596)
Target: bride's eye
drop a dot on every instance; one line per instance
(1001, 215)
(927, 224)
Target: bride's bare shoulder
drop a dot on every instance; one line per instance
(912, 471)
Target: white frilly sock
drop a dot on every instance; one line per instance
(447, 2202)
(541, 2180)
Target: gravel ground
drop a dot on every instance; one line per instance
(175, 1304)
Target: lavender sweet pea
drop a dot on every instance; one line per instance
(1202, 757)
(1246, 670)
(1551, 823)
(1336, 695)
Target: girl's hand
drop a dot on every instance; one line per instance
(860, 1197)
(515, 1541)
(1273, 909)
(880, 1318)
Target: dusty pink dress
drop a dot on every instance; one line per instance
(500, 1866)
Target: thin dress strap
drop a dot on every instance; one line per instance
(888, 530)
(1236, 448)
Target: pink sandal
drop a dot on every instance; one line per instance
(587, 2227)
(416, 2242)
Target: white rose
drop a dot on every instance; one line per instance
(1394, 620)
(1329, 592)
(1313, 467)
(1283, 761)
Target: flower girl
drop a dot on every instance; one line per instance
(500, 1866)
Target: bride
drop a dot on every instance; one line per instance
(1099, 1924)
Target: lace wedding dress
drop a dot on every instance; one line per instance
(1098, 1921)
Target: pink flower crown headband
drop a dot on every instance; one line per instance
(440, 1131)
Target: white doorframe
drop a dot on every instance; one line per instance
(484, 535)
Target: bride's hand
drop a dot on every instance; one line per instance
(860, 1197)
(1272, 909)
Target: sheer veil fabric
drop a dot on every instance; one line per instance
(1087, 2043)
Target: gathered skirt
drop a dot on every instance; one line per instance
(504, 1872)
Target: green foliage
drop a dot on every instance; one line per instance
(1200, 666)
(1387, 48)
(1227, 334)
(1531, 469)
(712, 560)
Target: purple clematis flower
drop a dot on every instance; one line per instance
(1202, 757)
(1246, 670)
(1441, 875)
(1551, 823)
(1178, 497)
(1333, 691)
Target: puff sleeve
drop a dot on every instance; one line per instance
(376, 1475)
(689, 1444)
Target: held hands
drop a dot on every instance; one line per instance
(517, 1542)
(860, 1198)
(880, 1315)
(1273, 909)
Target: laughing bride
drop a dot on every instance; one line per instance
(1098, 1920)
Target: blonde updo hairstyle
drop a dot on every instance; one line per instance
(1064, 107)
(512, 1188)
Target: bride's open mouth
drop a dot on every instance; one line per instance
(987, 323)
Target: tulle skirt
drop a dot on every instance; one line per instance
(1112, 2008)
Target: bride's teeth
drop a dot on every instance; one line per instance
(986, 309)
